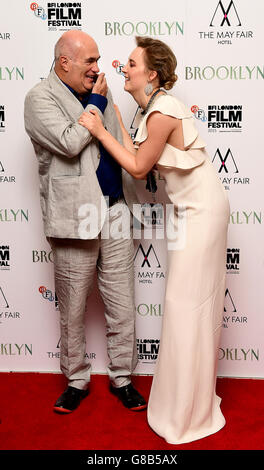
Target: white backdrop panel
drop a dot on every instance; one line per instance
(218, 46)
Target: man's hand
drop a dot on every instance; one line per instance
(100, 86)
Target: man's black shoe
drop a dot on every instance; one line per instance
(130, 397)
(69, 400)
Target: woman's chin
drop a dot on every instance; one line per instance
(126, 87)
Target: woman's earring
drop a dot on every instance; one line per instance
(148, 89)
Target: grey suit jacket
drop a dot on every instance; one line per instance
(68, 156)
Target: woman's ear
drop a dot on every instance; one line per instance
(152, 75)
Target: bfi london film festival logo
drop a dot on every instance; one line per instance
(2, 119)
(225, 27)
(148, 264)
(233, 260)
(4, 257)
(220, 118)
(148, 350)
(47, 294)
(6, 313)
(231, 315)
(152, 217)
(226, 165)
(118, 67)
(61, 16)
(225, 118)
(5, 178)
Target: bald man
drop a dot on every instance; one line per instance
(82, 189)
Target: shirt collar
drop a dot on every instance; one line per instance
(75, 93)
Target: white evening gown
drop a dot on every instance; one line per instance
(183, 405)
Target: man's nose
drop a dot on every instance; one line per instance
(95, 68)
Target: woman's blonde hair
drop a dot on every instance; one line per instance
(159, 57)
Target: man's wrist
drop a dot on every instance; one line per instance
(99, 101)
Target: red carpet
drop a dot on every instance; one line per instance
(101, 422)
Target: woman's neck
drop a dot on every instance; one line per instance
(142, 99)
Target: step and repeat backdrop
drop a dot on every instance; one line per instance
(218, 45)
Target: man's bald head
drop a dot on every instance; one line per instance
(70, 43)
(76, 57)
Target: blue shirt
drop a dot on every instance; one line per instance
(109, 172)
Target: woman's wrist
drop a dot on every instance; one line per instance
(102, 135)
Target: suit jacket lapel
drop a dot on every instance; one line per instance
(64, 95)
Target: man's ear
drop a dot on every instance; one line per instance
(64, 62)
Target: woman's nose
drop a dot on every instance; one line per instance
(124, 68)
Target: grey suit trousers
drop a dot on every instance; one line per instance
(75, 263)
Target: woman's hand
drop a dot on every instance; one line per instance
(92, 122)
(118, 114)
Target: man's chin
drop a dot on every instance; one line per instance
(87, 87)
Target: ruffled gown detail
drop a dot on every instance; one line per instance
(183, 405)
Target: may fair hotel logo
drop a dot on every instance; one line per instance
(226, 24)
